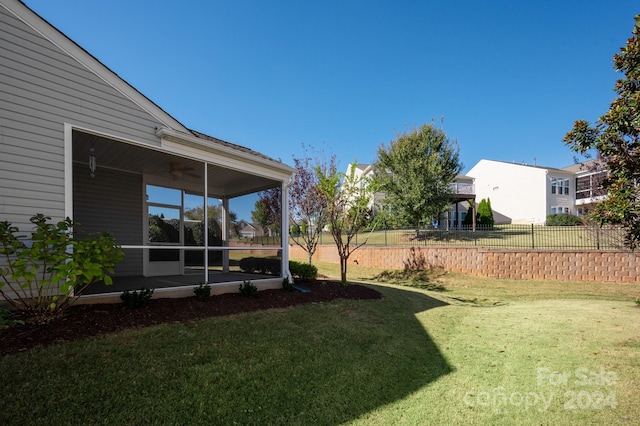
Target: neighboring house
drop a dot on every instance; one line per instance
(522, 193)
(250, 230)
(78, 141)
(365, 171)
(588, 181)
(463, 191)
(463, 195)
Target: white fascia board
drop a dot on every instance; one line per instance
(85, 59)
(202, 149)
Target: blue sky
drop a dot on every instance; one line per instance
(508, 77)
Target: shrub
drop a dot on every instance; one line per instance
(42, 275)
(202, 292)
(260, 265)
(248, 290)
(7, 319)
(137, 298)
(286, 285)
(303, 271)
(563, 219)
(485, 214)
(468, 219)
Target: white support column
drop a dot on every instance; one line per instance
(206, 225)
(68, 171)
(284, 231)
(225, 234)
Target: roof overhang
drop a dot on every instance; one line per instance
(222, 154)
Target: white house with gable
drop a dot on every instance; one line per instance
(522, 193)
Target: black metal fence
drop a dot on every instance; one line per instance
(498, 236)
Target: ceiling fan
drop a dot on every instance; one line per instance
(177, 170)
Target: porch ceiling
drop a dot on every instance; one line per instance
(175, 171)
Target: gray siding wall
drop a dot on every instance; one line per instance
(41, 88)
(111, 202)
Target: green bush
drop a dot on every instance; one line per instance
(287, 286)
(303, 271)
(260, 265)
(202, 292)
(137, 298)
(43, 274)
(248, 290)
(7, 319)
(468, 219)
(485, 214)
(563, 219)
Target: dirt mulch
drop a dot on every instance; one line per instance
(92, 320)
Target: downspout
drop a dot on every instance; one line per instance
(225, 234)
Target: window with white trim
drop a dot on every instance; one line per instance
(560, 186)
(560, 210)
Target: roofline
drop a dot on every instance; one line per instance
(165, 133)
(170, 127)
(22, 12)
(523, 165)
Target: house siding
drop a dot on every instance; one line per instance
(517, 193)
(41, 89)
(111, 202)
(561, 200)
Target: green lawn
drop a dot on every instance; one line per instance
(468, 351)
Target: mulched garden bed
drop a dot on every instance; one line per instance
(91, 320)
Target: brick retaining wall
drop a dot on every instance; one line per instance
(566, 265)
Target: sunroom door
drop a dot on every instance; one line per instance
(164, 231)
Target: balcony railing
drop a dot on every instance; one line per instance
(463, 188)
(590, 193)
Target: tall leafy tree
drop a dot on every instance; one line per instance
(616, 139)
(415, 172)
(307, 203)
(347, 211)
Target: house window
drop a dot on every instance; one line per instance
(590, 186)
(560, 186)
(560, 210)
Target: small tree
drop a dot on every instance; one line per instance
(307, 203)
(485, 214)
(42, 275)
(348, 211)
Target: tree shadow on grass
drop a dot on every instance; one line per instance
(376, 354)
(322, 363)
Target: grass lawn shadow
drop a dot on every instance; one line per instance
(385, 355)
(324, 363)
